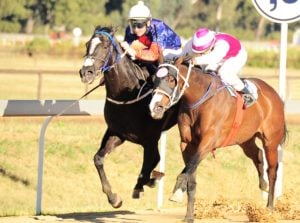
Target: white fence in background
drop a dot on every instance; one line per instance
(50, 107)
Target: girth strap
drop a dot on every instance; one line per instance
(239, 114)
(238, 118)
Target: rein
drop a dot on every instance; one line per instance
(173, 98)
(207, 95)
(134, 100)
(107, 67)
(71, 105)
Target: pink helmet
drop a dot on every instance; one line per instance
(203, 40)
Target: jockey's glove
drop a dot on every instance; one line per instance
(128, 49)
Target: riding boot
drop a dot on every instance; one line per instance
(248, 97)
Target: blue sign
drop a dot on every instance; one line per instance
(281, 11)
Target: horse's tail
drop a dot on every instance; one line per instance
(285, 134)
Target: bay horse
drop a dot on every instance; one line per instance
(206, 117)
(126, 108)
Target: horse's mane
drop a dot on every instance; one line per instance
(185, 60)
(109, 29)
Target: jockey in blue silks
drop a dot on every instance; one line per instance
(146, 37)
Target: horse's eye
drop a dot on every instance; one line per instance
(171, 78)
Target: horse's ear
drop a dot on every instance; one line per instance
(179, 60)
(98, 27)
(114, 29)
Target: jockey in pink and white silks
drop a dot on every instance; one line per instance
(222, 54)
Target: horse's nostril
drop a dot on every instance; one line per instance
(89, 76)
(158, 109)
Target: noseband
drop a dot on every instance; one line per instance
(176, 93)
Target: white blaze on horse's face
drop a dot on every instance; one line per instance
(90, 61)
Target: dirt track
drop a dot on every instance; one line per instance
(149, 216)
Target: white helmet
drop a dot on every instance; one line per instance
(139, 11)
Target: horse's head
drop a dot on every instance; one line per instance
(167, 89)
(99, 54)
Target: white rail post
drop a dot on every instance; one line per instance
(39, 190)
(163, 143)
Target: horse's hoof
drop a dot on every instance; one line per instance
(264, 186)
(189, 220)
(137, 194)
(177, 196)
(151, 183)
(117, 202)
(157, 175)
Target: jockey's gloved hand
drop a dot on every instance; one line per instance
(128, 49)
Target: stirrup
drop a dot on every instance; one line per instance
(248, 100)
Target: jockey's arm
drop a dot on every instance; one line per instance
(215, 56)
(150, 53)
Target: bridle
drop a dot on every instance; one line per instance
(106, 67)
(176, 93)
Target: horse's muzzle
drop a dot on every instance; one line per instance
(87, 75)
(158, 111)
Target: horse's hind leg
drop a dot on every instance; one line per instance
(252, 151)
(109, 142)
(150, 160)
(272, 159)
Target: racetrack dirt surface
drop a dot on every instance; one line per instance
(147, 216)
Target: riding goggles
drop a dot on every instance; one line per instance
(137, 24)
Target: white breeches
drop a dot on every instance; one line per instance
(230, 69)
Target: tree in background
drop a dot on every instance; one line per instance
(11, 15)
(238, 17)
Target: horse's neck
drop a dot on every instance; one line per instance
(122, 81)
(199, 84)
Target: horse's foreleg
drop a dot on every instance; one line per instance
(181, 181)
(150, 160)
(179, 188)
(186, 182)
(194, 153)
(191, 192)
(272, 159)
(109, 142)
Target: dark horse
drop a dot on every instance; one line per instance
(126, 107)
(206, 116)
